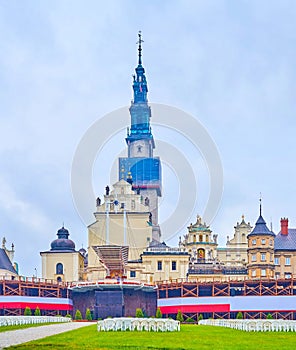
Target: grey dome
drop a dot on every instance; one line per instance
(63, 242)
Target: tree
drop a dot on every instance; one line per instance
(139, 313)
(180, 316)
(158, 313)
(239, 316)
(27, 311)
(88, 315)
(269, 316)
(200, 317)
(37, 311)
(78, 315)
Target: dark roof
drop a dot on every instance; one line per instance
(63, 243)
(285, 242)
(156, 244)
(261, 228)
(5, 263)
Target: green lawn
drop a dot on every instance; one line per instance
(190, 337)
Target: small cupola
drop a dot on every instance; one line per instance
(63, 242)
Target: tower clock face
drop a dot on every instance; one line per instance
(139, 147)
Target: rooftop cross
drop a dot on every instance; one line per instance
(139, 42)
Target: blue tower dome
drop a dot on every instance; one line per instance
(63, 243)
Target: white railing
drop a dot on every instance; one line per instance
(110, 281)
(166, 249)
(138, 324)
(253, 325)
(20, 320)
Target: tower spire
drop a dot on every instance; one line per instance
(139, 42)
(139, 80)
(260, 200)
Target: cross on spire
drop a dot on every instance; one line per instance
(139, 42)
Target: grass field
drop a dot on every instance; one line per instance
(190, 337)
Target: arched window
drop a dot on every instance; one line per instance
(59, 279)
(200, 238)
(59, 269)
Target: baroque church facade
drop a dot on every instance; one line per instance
(124, 241)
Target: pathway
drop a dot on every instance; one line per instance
(20, 336)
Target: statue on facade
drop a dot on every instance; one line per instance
(147, 201)
(107, 190)
(98, 201)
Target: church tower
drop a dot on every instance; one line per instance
(140, 168)
(261, 250)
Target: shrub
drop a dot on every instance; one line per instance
(158, 313)
(37, 312)
(180, 316)
(190, 320)
(68, 315)
(78, 315)
(269, 316)
(139, 313)
(27, 311)
(200, 317)
(88, 315)
(239, 316)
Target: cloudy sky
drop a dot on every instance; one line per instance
(66, 64)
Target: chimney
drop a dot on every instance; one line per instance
(284, 226)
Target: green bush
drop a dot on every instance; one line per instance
(78, 315)
(180, 316)
(37, 312)
(269, 316)
(239, 316)
(190, 320)
(158, 313)
(139, 313)
(27, 311)
(88, 315)
(68, 315)
(200, 317)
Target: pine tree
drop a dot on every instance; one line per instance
(37, 311)
(180, 316)
(27, 311)
(139, 313)
(239, 316)
(78, 315)
(88, 315)
(158, 313)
